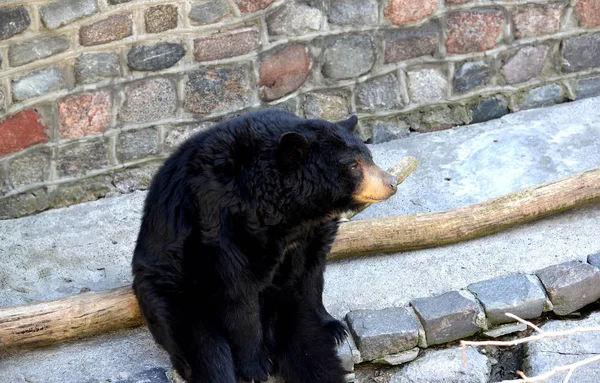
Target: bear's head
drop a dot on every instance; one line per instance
(332, 167)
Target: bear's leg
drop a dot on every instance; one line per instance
(313, 281)
(240, 319)
(306, 352)
(198, 352)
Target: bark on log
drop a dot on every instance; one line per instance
(95, 313)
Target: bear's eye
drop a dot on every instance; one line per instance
(354, 166)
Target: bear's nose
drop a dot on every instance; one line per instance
(393, 182)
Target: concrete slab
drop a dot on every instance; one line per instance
(60, 252)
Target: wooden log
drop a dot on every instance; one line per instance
(419, 231)
(95, 313)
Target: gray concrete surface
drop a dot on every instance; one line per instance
(60, 252)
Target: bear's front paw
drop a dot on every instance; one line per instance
(337, 329)
(256, 367)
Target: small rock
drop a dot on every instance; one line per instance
(149, 100)
(93, 67)
(208, 11)
(30, 51)
(505, 329)
(13, 21)
(525, 65)
(360, 12)
(571, 285)
(331, 106)
(581, 52)
(383, 332)
(220, 89)
(249, 6)
(447, 317)
(403, 45)
(135, 178)
(400, 358)
(490, 109)
(336, 64)
(37, 83)
(137, 143)
(64, 12)
(293, 19)
(594, 260)
(153, 375)
(426, 85)
(469, 75)
(446, 366)
(587, 87)
(542, 96)
(154, 57)
(379, 94)
(30, 168)
(113, 28)
(517, 294)
(161, 18)
(283, 71)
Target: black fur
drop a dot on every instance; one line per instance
(228, 267)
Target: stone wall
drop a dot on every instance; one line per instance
(95, 93)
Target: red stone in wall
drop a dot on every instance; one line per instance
(473, 31)
(589, 13)
(21, 130)
(405, 11)
(84, 114)
(284, 71)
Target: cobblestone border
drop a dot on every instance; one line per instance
(394, 336)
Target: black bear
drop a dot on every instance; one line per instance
(228, 266)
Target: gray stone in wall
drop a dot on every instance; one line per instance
(153, 375)
(29, 168)
(348, 56)
(1, 100)
(219, 90)
(360, 12)
(426, 85)
(327, 105)
(587, 87)
(594, 259)
(581, 52)
(208, 11)
(149, 100)
(154, 57)
(405, 45)
(447, 317)
(388, 130)
(135, 178)
(399, 358)
(93, 67)
(30, 51)
(446, 366)
(525, 65)
(469, 75)
(79, 158)
(63, 12)
(134, 144)
(378, 333)
(542, 96)
(38, 82)
(571, 285)
(517, 294)
(294, 18)
(13, 21)
(490, 109)
(176, 135)
(379, 94)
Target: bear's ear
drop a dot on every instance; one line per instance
(349, 124)
(293, 149)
